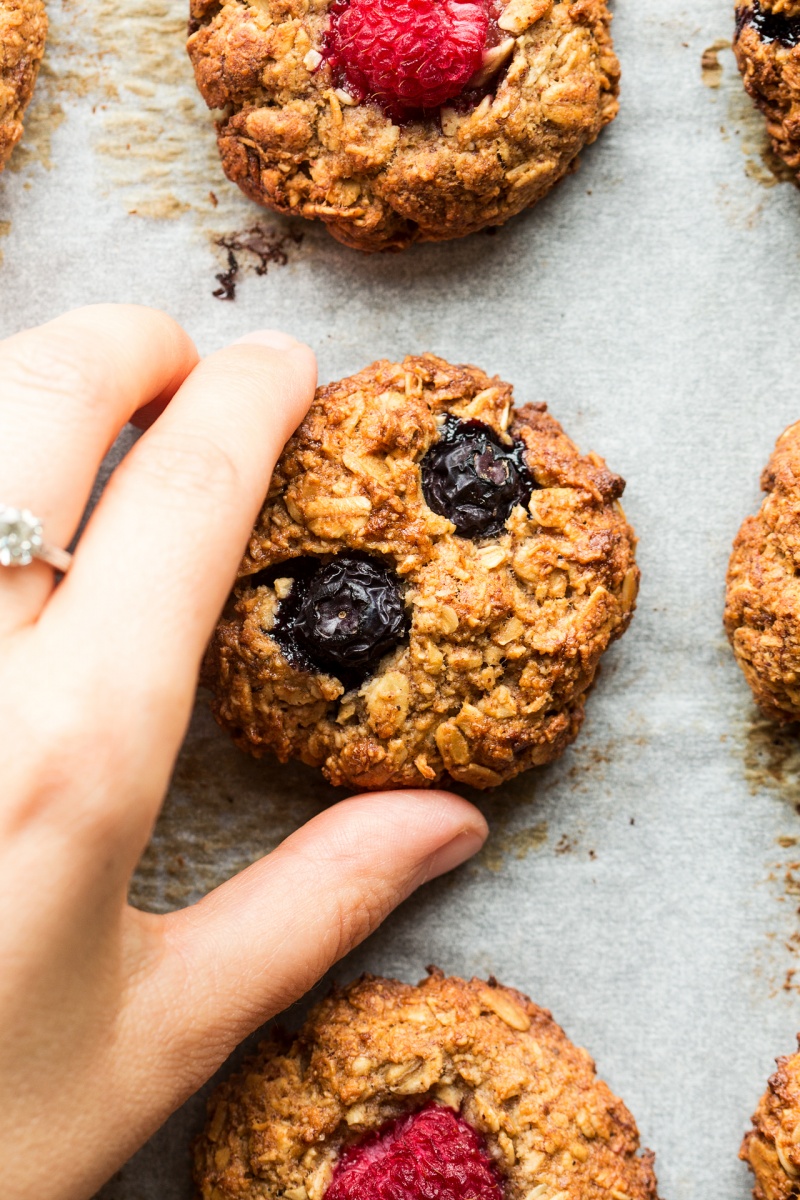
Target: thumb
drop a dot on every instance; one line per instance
(261, 940)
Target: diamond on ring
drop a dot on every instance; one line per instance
(20, 537)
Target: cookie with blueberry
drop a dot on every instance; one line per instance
(429, 586)
(767, 48)
(450, 1090)
(396, 121)
(762, 601)
(23, 30)
(771, 1148)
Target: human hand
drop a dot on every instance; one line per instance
(111, 1017)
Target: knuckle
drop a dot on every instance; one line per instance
(59, 367)
(358, 914)
(190, 467)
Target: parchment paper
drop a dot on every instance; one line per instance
(646, 887)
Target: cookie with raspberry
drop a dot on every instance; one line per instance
(395, 121)
(450, 1090)
(429, 587)
(767, 48)
(23, 30)
(762, 603)
(772, 1147)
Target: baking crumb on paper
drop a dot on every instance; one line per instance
(252, 251)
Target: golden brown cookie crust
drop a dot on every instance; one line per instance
(23, 30)
(506, 631)
(381, 1049)
(762, 610)
(771, 73)
(785, 8)
(772, 1146)
(293, 142)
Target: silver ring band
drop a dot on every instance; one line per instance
(21, 541)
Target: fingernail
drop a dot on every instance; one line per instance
(456, 852)
(268, 337)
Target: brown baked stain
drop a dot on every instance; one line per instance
(44, 116)
(154, 136)
(123, 71)
(710, 66)
(504, 843)
(782, 880)
(515, 831)
(71, 71)
(5, 230)
(771, 756)
(742, 119)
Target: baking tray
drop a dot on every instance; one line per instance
(646, 887)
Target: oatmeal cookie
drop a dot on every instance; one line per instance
(762, 609)
(767, 48)
(388, 1086)
(395, 121)
(23, 29)
(772, 1147)
(428, 588)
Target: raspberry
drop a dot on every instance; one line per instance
(407, 55)
(430, 1155)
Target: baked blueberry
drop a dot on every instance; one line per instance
(347, 615)
(473, 479)
(411, 605)
(770, 26)
(767, 48)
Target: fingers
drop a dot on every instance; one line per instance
(263, 939)
(66, 389)
(159, 555)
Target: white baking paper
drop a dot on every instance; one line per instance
(643, 887)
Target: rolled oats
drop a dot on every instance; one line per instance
(506, 631)
(282, 1135)
(290, 137)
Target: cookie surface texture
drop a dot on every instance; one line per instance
(762, 610)
(383, 1049)
(772, 1147)
(767, 48)
(487, 641)
(294, 138)
(23, 31)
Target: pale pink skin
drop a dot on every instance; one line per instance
(111, 1017)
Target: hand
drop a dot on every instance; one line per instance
(111, 1017)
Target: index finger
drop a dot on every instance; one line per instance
(160, 553)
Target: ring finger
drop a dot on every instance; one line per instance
(66, 390)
